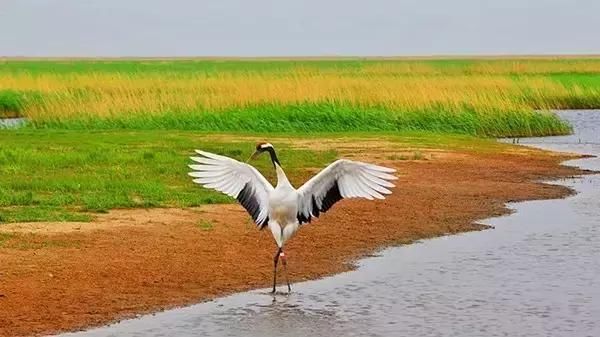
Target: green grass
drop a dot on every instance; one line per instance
(205, 225)
(477, 97)
(70, 175)
(327, 117)
(4, 237)
(204, 66)
(69, 163)
(200, 66)
(11, 103)
(64, 175)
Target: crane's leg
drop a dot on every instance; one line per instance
(275, 260)
(284, 261)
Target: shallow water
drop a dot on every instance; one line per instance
(536, 274)
(12, 123)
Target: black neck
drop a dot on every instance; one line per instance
(273, 156)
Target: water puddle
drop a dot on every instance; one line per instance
(536, 274)
(12, 123)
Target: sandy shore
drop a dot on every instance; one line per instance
(67, 276)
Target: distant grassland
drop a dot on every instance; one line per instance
(477, 97)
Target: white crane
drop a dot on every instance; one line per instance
(283, 208)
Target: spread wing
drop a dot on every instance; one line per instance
(236, 179)
(342, 179)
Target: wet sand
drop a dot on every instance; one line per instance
(139, 261)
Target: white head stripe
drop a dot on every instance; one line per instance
(266, 145)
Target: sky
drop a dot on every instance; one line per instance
(118, 28)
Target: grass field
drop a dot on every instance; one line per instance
(68, 175)
(478, 97)
(64, 175)
(118, 134)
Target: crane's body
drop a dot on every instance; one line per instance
(284, 208)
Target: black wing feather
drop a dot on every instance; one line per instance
(332, 196)
(247, 198)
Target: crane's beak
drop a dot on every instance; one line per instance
(253, 156)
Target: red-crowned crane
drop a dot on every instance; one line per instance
(283, 208)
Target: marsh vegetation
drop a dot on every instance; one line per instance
(106, 134)
(478, 97)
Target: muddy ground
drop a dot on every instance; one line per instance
(67, 276)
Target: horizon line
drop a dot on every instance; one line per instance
(307, 58)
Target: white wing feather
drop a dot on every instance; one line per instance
(236, 179)
(342, 179)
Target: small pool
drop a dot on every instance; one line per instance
(11, 123)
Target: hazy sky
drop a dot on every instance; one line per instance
(298, 28)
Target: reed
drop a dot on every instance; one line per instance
(481, 97)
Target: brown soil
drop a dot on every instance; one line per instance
(56, 276)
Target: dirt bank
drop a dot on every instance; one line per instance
(56, 277)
